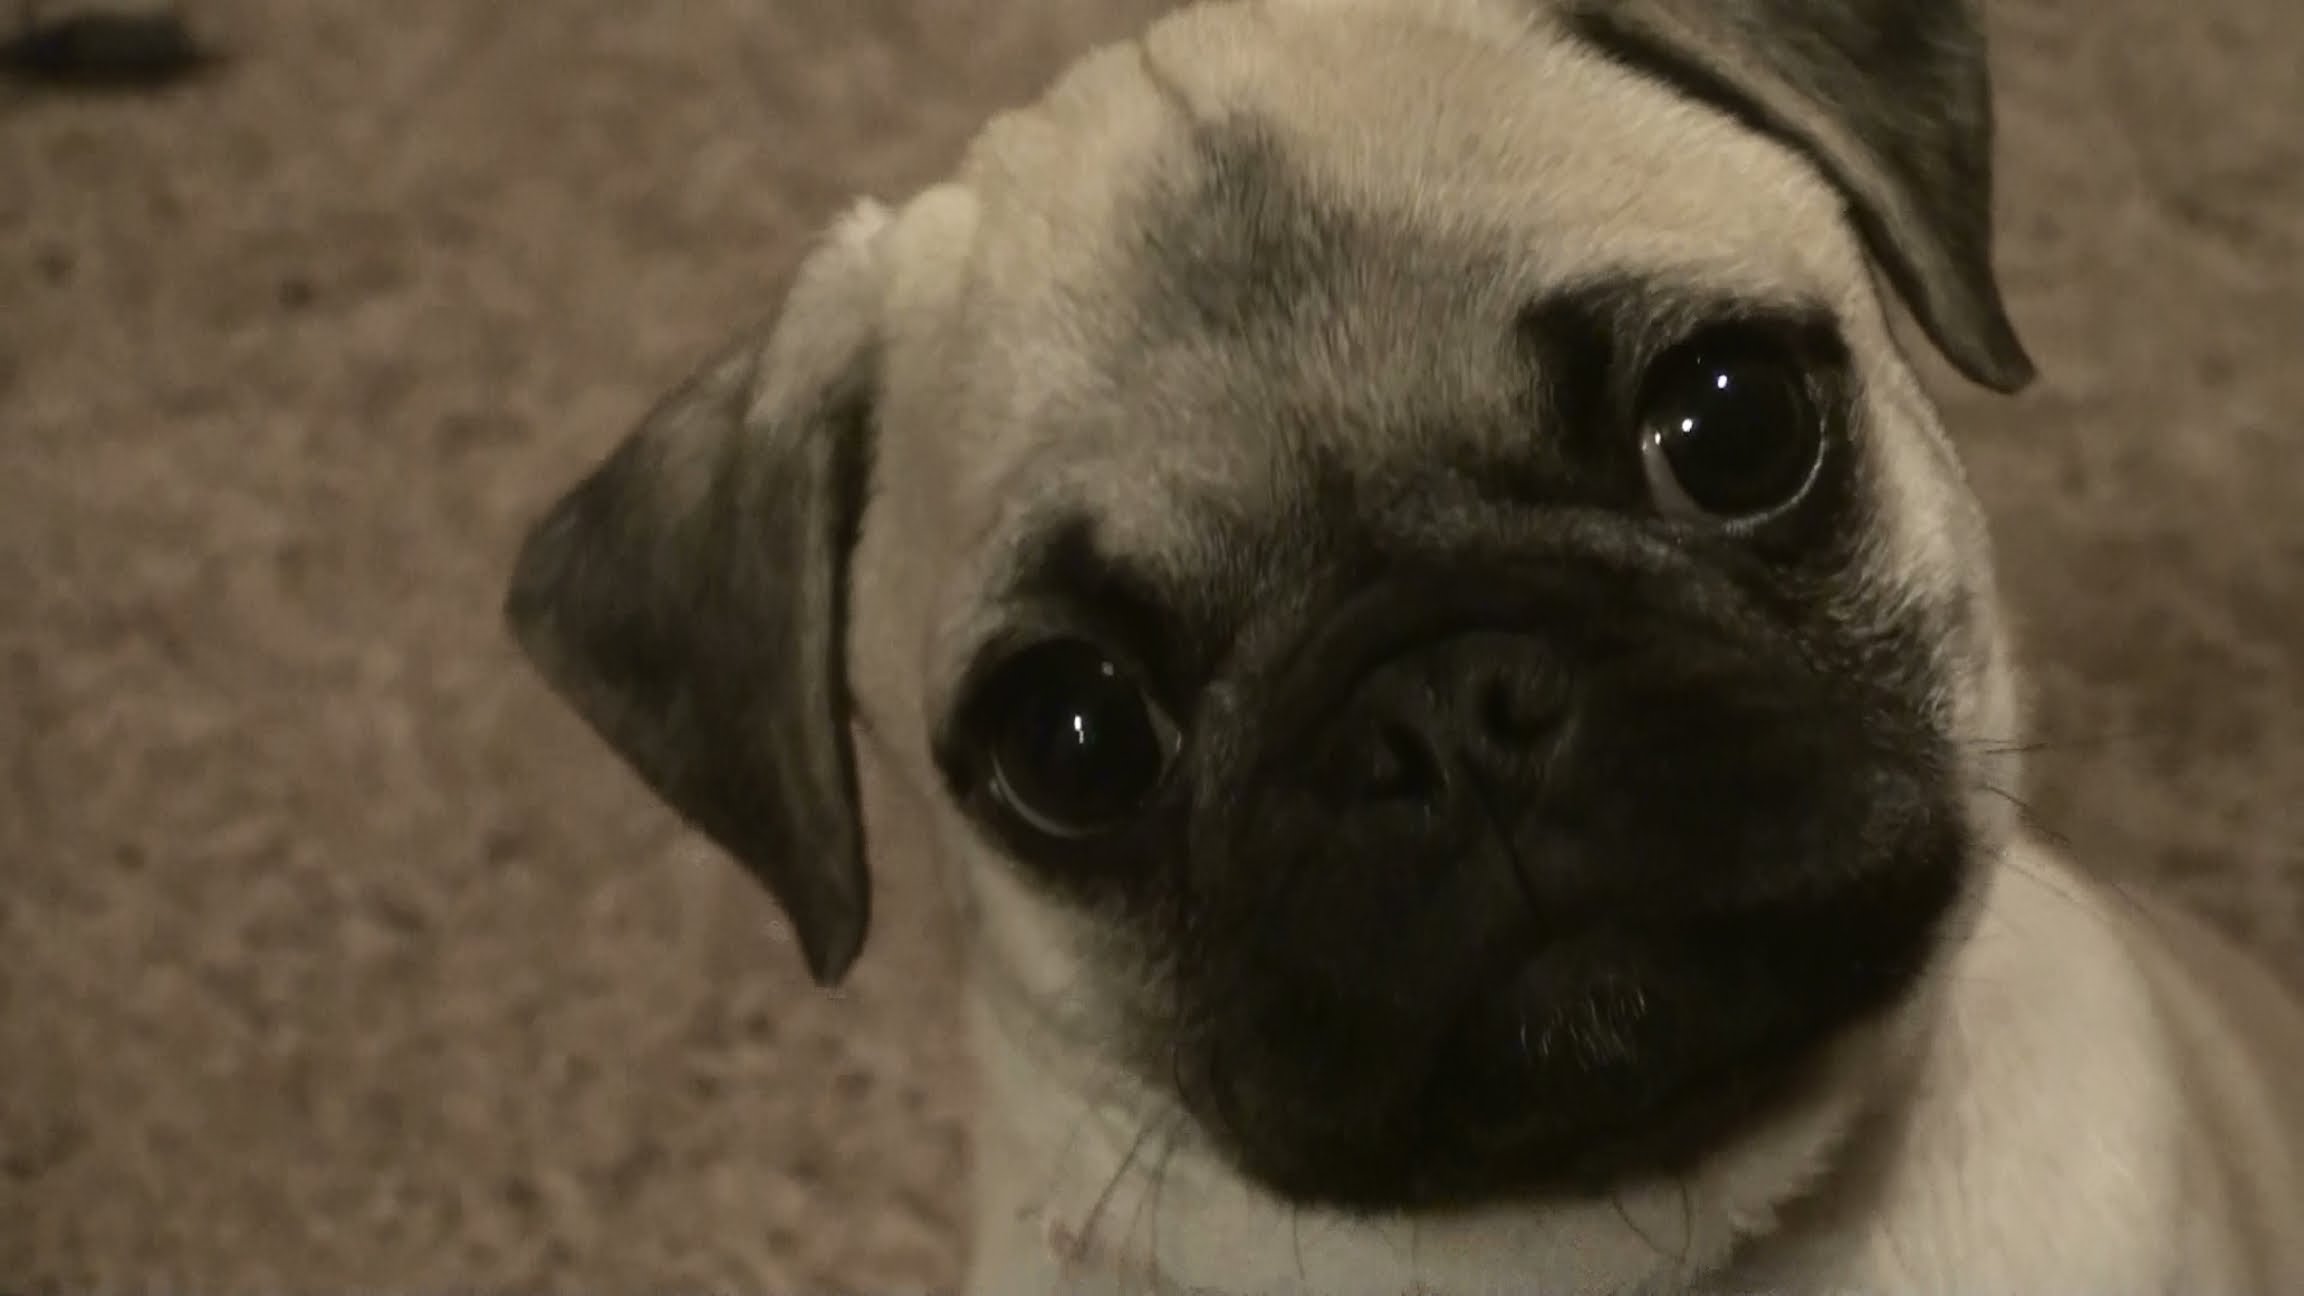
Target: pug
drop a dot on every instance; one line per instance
(1388, 554)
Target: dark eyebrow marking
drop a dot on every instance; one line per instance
(1237, 244)
(1572, 339)
(1645, 313)
(1068, 569)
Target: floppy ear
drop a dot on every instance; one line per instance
(688, 598)
(1892, 100)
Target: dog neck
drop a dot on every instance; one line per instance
(1086, 1184)
(1092, 1186)
(1089, 1184)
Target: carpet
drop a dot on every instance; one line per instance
(335, 955)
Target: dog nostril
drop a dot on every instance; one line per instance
(1513, 714)
(1400, 767)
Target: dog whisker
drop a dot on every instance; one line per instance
(1296, 1244)
(2026, 812)
(1170, 1141)
(2120, 889)
(1616, 1204)
(1687, 1221)
(1099, 1096)
(1090, 1224)
(2074, 893)
(1624, 1214)
(2051, 745)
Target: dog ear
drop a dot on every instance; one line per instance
(1891, 99)
(688, 598)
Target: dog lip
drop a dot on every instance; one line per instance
(1665, 1132)
(1544, 1081)
(1584, 1052)
(1515, 1024)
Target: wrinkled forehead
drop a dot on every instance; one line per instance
(1267, 231)
(1507, 138)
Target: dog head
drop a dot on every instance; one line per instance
(1435, 619)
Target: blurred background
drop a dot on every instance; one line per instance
(335, 955)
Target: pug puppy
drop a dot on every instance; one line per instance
(1386, 550)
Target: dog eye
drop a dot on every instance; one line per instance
(1076, 743)
(1729, 426)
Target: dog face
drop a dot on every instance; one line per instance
(1433, 617)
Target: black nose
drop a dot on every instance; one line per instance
(1470, 718)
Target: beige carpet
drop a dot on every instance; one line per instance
(333, 954)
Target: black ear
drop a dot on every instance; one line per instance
(688, 598)
(1891, 99)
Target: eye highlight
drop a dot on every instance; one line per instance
(1073, 743)
(1731, 427)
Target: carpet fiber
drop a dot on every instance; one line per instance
(335, 955)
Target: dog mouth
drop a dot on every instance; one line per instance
(1539, 1091)
(1565, 1066)
(1582, 1068)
